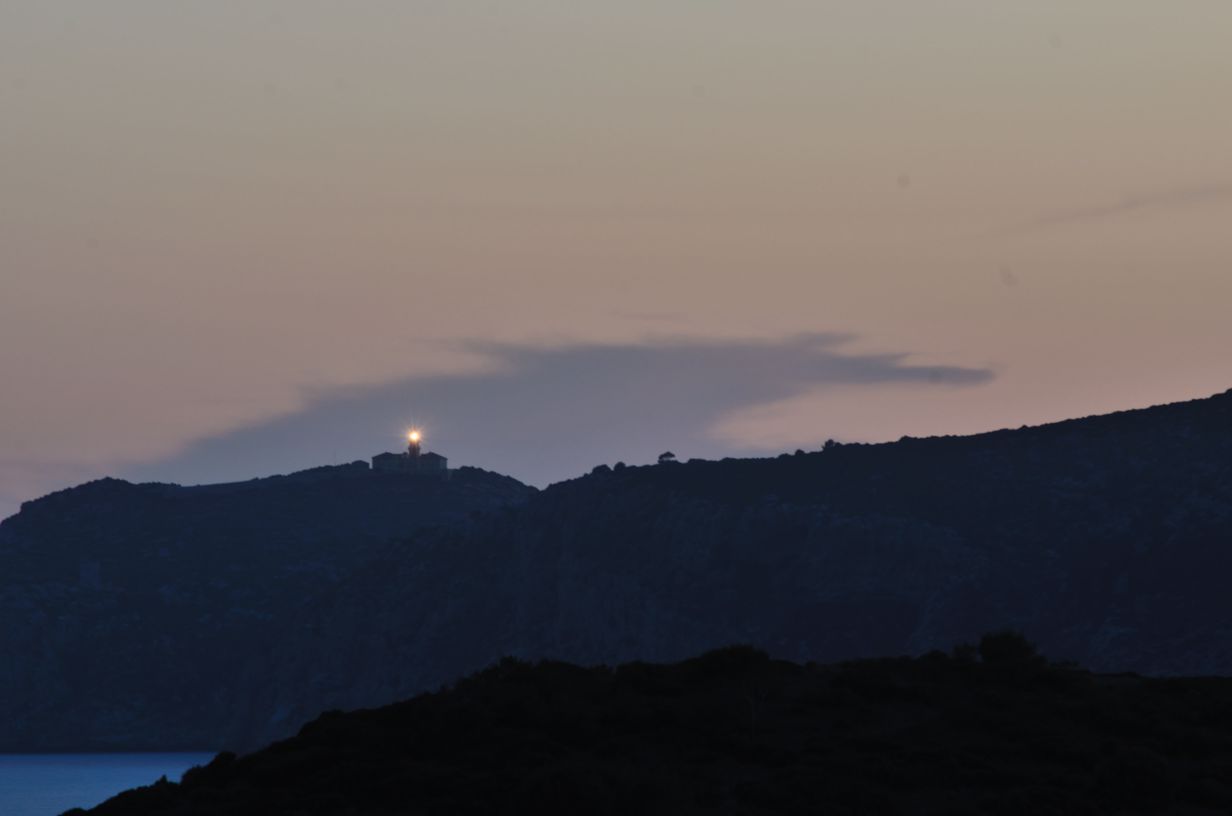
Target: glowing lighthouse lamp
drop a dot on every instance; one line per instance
(415, 460)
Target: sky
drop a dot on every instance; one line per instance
(239, 239)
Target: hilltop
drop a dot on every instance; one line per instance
(993, 730)
(135, 615)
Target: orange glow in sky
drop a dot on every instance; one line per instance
(215, 215)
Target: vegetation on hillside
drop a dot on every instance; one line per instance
(991, 728)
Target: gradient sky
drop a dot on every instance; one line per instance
(242, 238)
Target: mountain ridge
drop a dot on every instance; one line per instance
(1102, 537)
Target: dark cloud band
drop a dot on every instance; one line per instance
(546, 412)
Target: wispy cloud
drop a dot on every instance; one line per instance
(1160, 200)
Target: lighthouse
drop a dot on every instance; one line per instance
(415, 461)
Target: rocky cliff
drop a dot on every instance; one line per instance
(133, 615)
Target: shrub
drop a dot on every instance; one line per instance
(1006, 648)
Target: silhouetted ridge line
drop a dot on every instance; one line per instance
(1105, 539)
(992, 729)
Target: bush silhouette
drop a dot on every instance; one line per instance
(965, 653)
(1008, 648)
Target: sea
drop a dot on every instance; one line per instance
(49, 784)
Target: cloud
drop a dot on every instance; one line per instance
(1181, 197)
(543, 413)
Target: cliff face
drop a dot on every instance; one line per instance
(1108, 540)
(149, 616)
(130, 615)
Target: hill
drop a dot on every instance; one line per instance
(1107, 540)
(998, 731)
(128, 624)
(134, 616)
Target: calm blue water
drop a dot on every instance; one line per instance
(49, 784)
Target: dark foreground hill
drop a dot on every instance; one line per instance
(736, 732)
(137, 615)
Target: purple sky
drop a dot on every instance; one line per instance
(239, 239)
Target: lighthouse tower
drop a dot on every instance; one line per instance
(415, 461)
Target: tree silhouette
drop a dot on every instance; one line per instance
(1007, 647)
